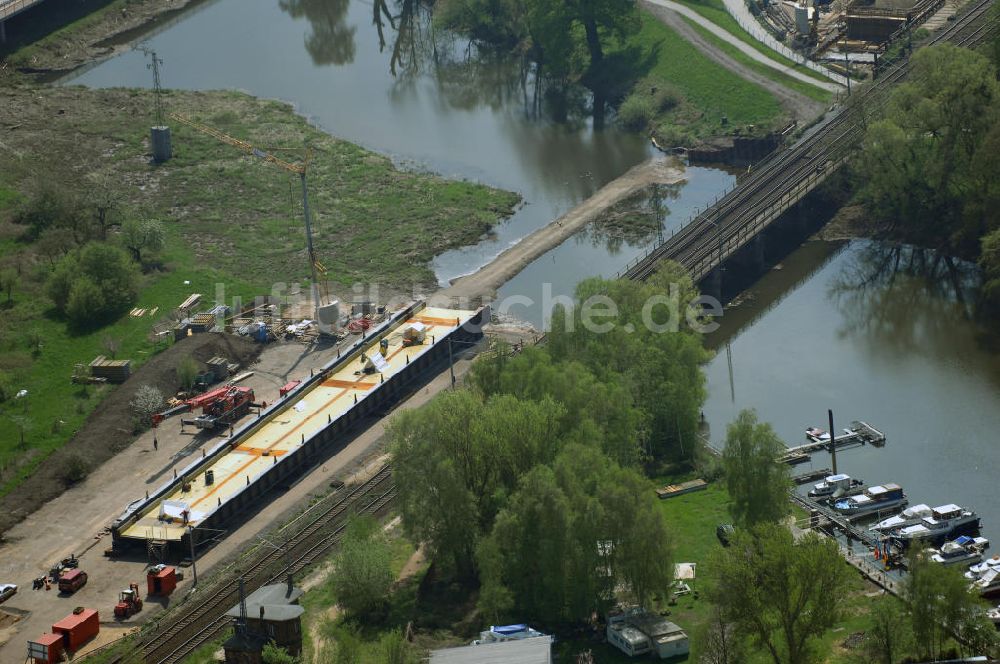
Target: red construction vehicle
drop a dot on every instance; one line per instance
(221, 406)
(129, 602)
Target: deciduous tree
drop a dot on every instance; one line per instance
(782, 593)
(139, 235)
(757, 483)
(888, 639)
(456, 460)
(362, 572)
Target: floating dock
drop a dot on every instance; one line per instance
(298, 430)
(859, 433)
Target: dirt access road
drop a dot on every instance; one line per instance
(799, 106)
(73, 522)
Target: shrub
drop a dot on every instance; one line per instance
(94, 286)
(147, 402)
(672, 136)
(666, 98)
(73, 469)
(187, 372)
(636, 112)
(85, 302)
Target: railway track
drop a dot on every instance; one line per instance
(776, 184)
(307, 538)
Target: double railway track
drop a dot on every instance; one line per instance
(779, 182)
(307, 538)
(702, 244)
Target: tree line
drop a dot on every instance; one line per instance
(529, 483)
(931, 173)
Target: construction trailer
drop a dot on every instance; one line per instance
(161, 580)
(77, 628)
(46, 649)
(296, 432)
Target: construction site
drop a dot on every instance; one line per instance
(285, 405)
(850, 37)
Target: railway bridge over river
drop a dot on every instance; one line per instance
(734, 223)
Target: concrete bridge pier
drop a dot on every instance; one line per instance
(752, 255)
(711, 285)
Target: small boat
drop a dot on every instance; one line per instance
(994, 615)
(966, 550)
(875, 499)
(817, 435)
(908, 517)
(943, 522)
(979, 569)
(988, 583)
(835, 486)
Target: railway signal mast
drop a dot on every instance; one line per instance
(326, 311)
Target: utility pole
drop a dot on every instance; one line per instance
(847, 70)
(159, 134)
(194, 568)
(833, 442)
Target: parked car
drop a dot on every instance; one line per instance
(7, 590)
(725, 533)
(72, 581)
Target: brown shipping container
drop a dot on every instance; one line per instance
(78, 628)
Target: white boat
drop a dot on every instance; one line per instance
(875, 499)
(835, 486)
(994, 615)
(943, 522)
(988, 583)
(817, 435)
(908, 517)
(979, 569)
(965, 550)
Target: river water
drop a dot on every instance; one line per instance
(829, 331)
(422, 97)
(897, 354)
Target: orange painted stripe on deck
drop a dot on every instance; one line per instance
(355, 384)
(432, 320)
(349, 386)
(258, 451)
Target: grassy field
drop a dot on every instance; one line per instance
(715, 11)
(811, 91)
(710, 92)
(229, 221)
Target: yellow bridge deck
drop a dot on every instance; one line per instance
(302, 416)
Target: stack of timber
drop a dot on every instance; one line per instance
(672, 490)
(219, 366)
(113, 371)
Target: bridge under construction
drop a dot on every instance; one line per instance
(303, 427)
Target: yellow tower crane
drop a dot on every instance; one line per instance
(315, 267)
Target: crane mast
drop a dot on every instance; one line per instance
(315, 267)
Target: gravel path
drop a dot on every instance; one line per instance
(741, 45)
(801, 107)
